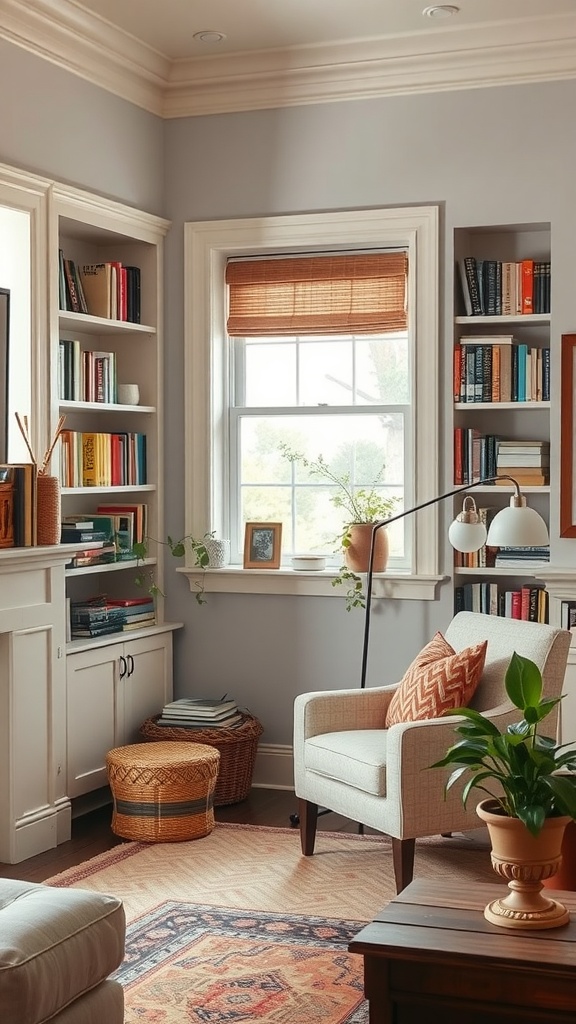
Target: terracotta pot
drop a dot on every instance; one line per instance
(525, 861)
(357, 554)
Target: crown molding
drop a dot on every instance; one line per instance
(506, 53)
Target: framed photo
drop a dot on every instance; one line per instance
(567, 447)
(262, 542)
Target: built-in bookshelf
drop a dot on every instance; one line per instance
(501, 383)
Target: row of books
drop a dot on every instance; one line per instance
(94, 459)
(529, 602)
(568, 614)
(201, 713)
(102, 615)
(110, 290)
(109, 534)
(480, 456)
(504, 288)
(503, 370)
(86, 375)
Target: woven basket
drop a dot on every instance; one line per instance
(163, 792)
(237, 752)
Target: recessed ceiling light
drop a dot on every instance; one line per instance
(441, 11)
(209, 36)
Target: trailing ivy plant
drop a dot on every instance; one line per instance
(197, 546)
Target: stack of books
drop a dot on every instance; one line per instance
(201, 713)
(522, 557)
(94, 617)
(83, 531)
(527, 461)
(139, 612)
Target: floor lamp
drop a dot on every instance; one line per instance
(514, 526)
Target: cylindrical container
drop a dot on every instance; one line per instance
(357, 554)
(128, 394)
(48, 514)
(218, 553)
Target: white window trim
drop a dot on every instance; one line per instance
(207, 246)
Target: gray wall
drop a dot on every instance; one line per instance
(55, 124)
(486, 156)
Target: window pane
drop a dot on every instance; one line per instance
(382, 370)
(325, 371)
(270, 371)
(367, 449)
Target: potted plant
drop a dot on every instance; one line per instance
(207, 550)
(361, 507)
(528, 802)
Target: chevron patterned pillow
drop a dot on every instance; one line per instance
(439, 678)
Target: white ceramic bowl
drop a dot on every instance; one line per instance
(309, 563)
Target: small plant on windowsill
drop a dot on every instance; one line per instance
(198, 547)
(362, 507)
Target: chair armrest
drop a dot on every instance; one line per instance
(338, 710)
(412, 747)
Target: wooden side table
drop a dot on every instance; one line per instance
(430, 955)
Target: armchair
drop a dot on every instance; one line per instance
(346, 760)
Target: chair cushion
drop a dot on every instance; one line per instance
(355, 757)
(55, 944)
(438, 679)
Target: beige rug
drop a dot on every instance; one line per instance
(257, 868)
(238, 927)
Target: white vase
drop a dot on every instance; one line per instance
(218, 553)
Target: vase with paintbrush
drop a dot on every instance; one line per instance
(48, 510)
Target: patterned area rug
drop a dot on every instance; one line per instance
(239, 927)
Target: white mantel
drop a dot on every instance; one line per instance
(35, 813)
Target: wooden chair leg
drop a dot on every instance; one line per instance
(403, 860)
(308, 814)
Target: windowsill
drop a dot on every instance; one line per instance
(236, 580)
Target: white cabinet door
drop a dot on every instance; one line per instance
(95, 715)
(147, 682)
(111, 691)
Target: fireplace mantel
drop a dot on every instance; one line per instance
(35, 812)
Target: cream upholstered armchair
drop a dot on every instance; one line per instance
(345, 760)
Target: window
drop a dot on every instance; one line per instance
(363, 400)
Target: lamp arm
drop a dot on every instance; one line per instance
(393, 519)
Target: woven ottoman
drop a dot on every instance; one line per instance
(163, 792)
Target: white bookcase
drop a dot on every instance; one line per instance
(125, 677)
(507, 420)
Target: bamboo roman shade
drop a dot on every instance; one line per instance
(349, 294)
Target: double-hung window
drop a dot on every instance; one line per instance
(320, 358)
(270, 365)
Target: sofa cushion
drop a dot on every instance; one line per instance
(438, 679)
(356, 757)
(55, 944)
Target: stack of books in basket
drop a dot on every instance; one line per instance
(201, 713)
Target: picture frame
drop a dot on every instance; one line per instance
(262, 544)
(567, 427)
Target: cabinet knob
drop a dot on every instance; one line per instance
(130, 661)
(123, 666)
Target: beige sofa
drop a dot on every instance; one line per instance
(57, 948)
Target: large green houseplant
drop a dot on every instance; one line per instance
(521, 763)
(362, 505)
(531, 795)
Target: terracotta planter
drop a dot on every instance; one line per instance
(357, 554)
(524, 861)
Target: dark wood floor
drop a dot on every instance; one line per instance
(91, 833)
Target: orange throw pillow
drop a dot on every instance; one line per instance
(438, 679)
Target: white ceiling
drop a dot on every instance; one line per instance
(287, 52)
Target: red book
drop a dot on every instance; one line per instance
(516, 604)
(527, 286)
(457, 372)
